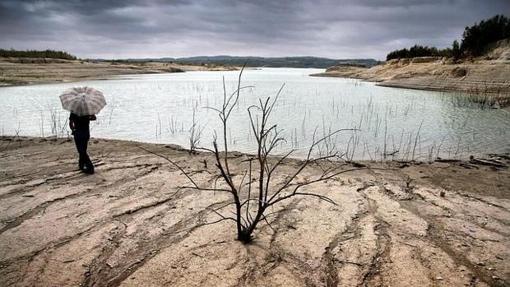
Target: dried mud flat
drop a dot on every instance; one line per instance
(396, 224)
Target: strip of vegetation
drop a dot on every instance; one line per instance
(474, 41)
(288, 62)
(36, 54)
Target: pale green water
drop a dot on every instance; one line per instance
(158, 108)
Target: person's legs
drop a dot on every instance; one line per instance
(78, 140)
(88, 165)
(81, 139)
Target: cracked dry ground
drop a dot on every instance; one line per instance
(438, 224)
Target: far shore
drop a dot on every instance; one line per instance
(31, 71)
(483, 78)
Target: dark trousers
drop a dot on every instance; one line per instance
(81, 139)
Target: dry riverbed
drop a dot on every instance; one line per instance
(396, 224)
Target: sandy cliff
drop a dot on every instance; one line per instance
(487, 74)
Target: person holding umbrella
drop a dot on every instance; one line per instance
(81, 132)
(83, 103)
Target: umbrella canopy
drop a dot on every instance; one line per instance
(83, 101)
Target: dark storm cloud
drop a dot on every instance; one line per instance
(338, 29)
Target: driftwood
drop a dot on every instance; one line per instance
(488, 162)
(447, 160)
(501, 156)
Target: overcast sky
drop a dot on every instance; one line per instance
(178, 28)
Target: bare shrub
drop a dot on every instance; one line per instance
(195, 133)
(255, 190)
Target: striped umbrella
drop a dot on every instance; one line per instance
(83, 101)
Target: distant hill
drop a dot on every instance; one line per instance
(289, 62)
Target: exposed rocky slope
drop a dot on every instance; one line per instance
(488, 74)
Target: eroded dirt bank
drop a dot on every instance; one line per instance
(25, 71)
(486, 75)
(481, 77)
(396, 224)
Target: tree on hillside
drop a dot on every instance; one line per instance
(478, 36)
(418, 51)
(456, 51)
(474, 41)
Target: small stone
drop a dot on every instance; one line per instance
(495, 277)
(439, 278)
(442, 194)
(481, 264)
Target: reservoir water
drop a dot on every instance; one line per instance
(387, 123)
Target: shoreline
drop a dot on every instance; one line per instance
(481, 77)
(390, 159)
(392, 74)
(27, 71)
(76, 80)
(131, 224)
